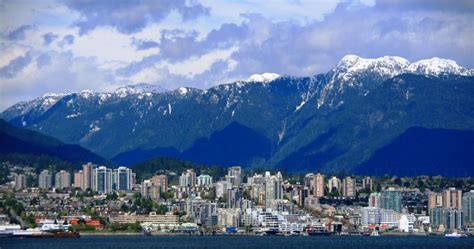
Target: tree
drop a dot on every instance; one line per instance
(398, 181)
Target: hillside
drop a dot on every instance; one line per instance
(17, 143)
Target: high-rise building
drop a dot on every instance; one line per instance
(348, 187)
(334, 184)
(204, 180)
(20, 181)
(453, 219)
(255, 179)
(222, 187)
(161, 180)
(452, 198)
(367, 183)
(45, 179)
(151, 190)
(122, 179)
(88, 176)
(308, 181)
(235, 197)
(374, 200)
(392, 199)
(235, 175)
(102, 181)
(468, 207)
(187, 178)
(78, 177)
(318, 185)
(435, 200)
(371, 215)
(436, 216)
(62, 179)
(273, 187)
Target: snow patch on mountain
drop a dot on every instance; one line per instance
(263, 78)
(139, 88)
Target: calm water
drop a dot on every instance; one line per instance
(229, 242)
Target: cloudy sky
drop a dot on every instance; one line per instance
(65, 46)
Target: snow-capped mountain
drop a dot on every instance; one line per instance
(436, 66)
(389, 66)
(336, 119)
(357, 72)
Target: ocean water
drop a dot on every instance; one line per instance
(240, 242)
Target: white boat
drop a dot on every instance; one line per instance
(30, 232)
(375, 233)
(455, 235)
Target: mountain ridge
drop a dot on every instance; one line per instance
(366, 110)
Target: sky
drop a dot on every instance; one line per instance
(66, 46)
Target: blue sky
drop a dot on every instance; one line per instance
(66, 46)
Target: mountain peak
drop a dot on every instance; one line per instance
(351, 65)
(264, 77)
(139, 88)
(389, 66)
(437, 66)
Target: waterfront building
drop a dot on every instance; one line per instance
(348, 187)
(406, 223)
(45, 179)
(78, 177)
(436, 216)
(453, 219)
(188, 178)
(334, 183)
(392, 199)
(468, 207)
(204, 180)
(370, 215)
(102, 182)
(152, 220)
(379, 216)
(452, 198)
(318, 185)
(63, 179)
(229, 217)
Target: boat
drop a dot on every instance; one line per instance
(375, 233)
(455, 235)
(66, 235)
(147, 231)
